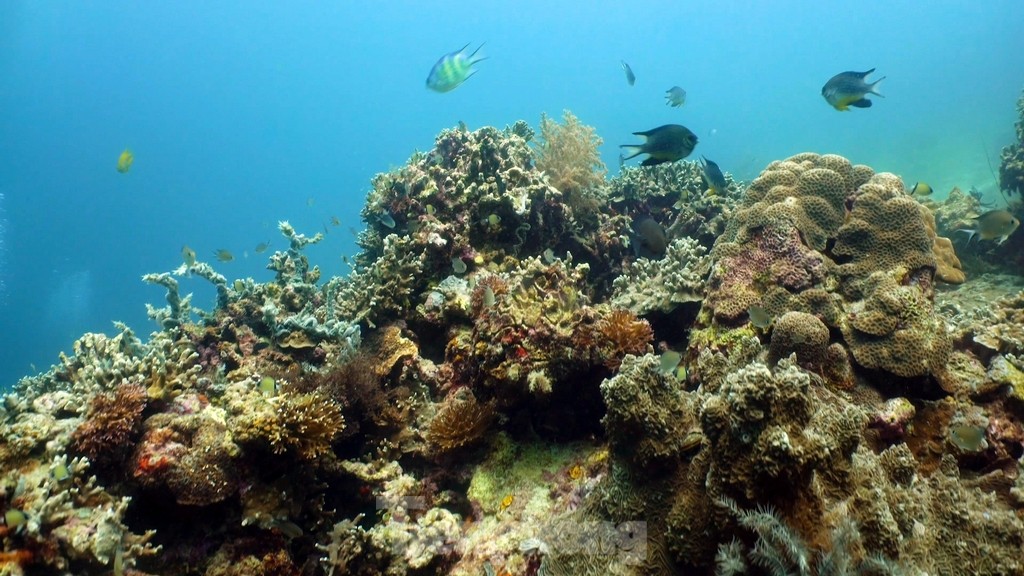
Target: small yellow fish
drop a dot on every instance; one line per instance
(759, 317)
(124, 161)
(262, 247)
(60, 472)
(223, 255)
(267, 386)
(921, 189)
(993, 225)
(576, 472)
(506, 502)
(188, 255)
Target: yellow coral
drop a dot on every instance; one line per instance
(568, 153)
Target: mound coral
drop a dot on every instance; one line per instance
(817, 235)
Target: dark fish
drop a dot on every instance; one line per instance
(630, 77)
(650, 237)
(666, 143)
(849, 89)
(713, 176)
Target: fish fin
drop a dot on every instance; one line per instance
(475, 60)
(652, 161)
(466, 46)
(874, 89)
(863, 74)
(970, 233)
(862, 103)
(636, 151)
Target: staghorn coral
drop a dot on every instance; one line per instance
(460, 421)
(112, 425)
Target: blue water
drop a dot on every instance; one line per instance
(241, 114)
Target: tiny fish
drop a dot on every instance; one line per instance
(488, 296)
(267, 386)
(630, 77)
(335, 221)
(124, 161)
(993, 225)
(759, 317)
(968, 438)
(713, 176)
(675, 97)
(666, 143)
(188, 256)
(60, 472)
(506, 502)
(849, 89)
(15, 519)
(453, 69)
(458, 266)
(669, 361)
(261, 247)
(223, 255)
(386, 220)
(921, 189)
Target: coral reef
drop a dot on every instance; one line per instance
(1011, 165)
(515, 379)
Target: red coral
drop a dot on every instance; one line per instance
(112, 425)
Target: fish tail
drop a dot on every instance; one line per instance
(475, 60)
(970, 233)
(873, 87)
(634, 151)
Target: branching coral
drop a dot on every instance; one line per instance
(113, 423)
(1011, 167)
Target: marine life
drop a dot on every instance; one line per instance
(666, 143)
(386, 220)
(14, 519)
(124, 161)
(669, 361)
(506, 502)
(223, 255)
(968, 438)
(849, 89)
(268, 386)
(675, 97)
(453, 69)
(458, 265)
(630, 77)
(713, 176)
(759, 317)
(993, 225)
(188, 256)
(335, 221)
(262, 247)
(650, 236)
(488, 296)
(60, 472)
(921, 189)
(576, 472)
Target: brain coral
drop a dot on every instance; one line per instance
(818, 235)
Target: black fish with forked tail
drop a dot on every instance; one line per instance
(663, 144)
